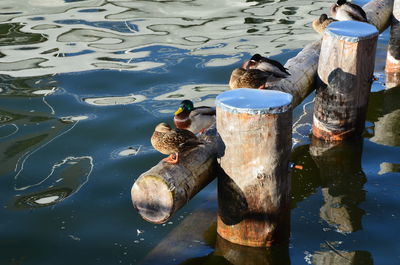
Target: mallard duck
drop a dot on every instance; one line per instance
(255, 72)
(251, 78)
(344, 10)
(320, 24)
(193, 119)
(264, 64)
(172, 141)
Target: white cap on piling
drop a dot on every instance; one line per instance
(351, 31)
(254, 101)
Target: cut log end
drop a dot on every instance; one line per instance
(155, 207)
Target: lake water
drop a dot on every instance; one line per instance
(82, 85)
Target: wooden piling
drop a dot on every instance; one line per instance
(345, 70)
(303, 69)
(392, 68)
(253, 190)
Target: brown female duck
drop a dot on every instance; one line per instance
(255, 72)
(172, 141)
(320, 24)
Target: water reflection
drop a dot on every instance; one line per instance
(242, 255)
(384, 112)
(65, 178)
(342, 183)
(336, 257)
(51, 31)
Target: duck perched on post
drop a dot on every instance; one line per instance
(320, 24)
(255, 72)
(171, 142)
(344, 10)
(194, 119)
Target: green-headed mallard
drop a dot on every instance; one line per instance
(172, 141)
(194, 119)
(255, 72)
(320, 24)
(344, 10)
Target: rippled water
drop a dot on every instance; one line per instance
(82, 85)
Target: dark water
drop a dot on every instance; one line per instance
(82, 85)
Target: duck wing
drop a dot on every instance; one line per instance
(355, 12)
(275, 67)
(204, 110)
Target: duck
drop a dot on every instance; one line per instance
(171, 142)
(251, 78)
(344, 10)
(194, 119)
(255, 72)
(265, 64)
(320, 24)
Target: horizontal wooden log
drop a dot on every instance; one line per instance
(302, 67)
(165, 188)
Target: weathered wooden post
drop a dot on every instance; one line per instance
(392, 68)
(253, 189)
(345, 69)
(193, 173)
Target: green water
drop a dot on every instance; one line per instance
(82, 85)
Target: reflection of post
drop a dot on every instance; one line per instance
(342, 182)
(243, 255)
(253, 191)
(345, 68)
(342, 258)
(387, 125)
(393, 55)
(186, 238)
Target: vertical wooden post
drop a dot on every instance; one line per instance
(253, 189)
(345, 69)
(393, 55)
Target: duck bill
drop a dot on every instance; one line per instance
(178, 111)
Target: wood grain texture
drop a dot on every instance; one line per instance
(345, 72)
(303, 69)
(253, 189)
(165, 188)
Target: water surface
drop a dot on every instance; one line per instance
(82, 85)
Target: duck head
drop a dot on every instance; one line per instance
(162, 128)
(185, 106)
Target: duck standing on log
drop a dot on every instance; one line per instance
(193, 119)
(344, 10)
(255, 72)
(171, 142)
(320, 24)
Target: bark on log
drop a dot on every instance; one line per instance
(303, 69)
(392, 68)
(346, 67)
(253, 190)
(165, 188)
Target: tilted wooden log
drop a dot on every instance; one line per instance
(346, 67)
(392, 68)
(253, 189)
(302, 67)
